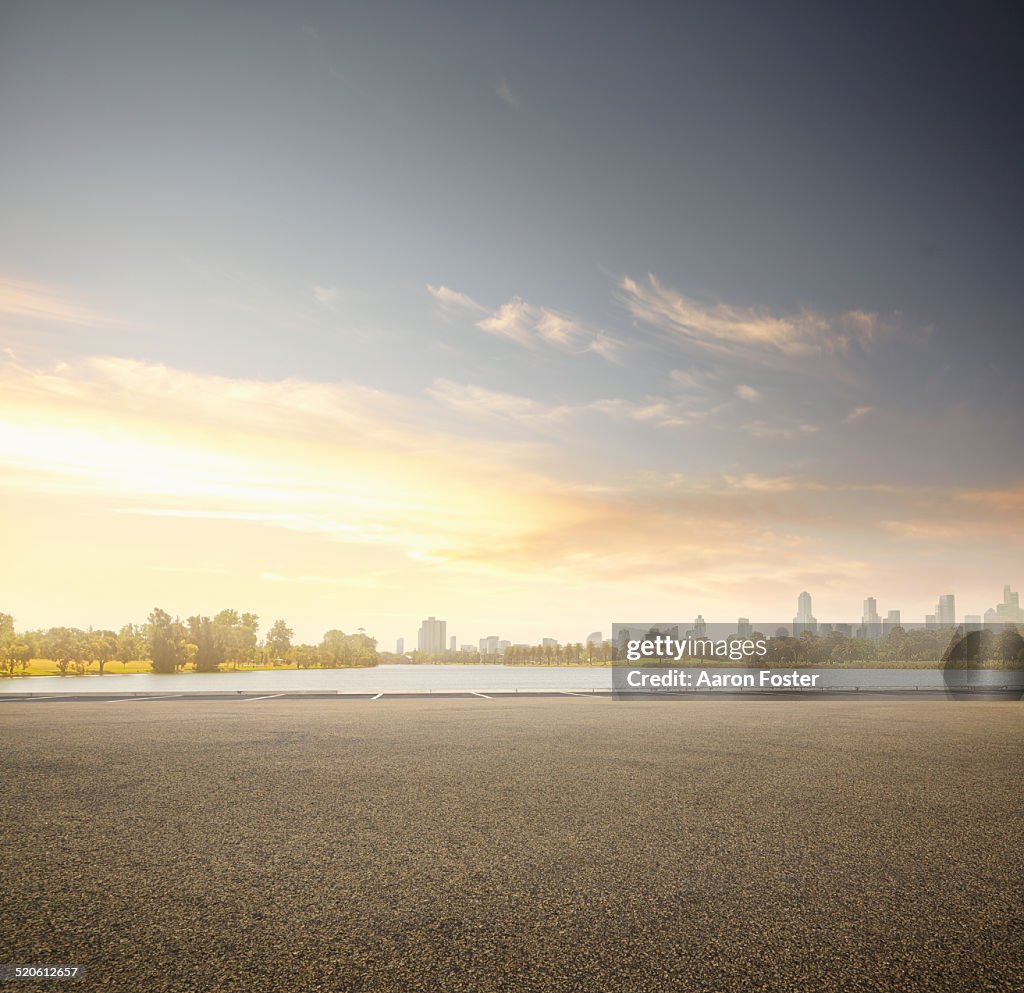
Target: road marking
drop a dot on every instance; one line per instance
(484, 695)
(377, 697)
(569, 693)
(144, 699)
(53, 696)
(253, 699)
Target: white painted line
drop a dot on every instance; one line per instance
(144, 699)
(570, 693)
(377, 697)
(484, 695)
(253, 699)
(54, 696)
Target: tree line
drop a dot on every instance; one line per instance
(170, 644)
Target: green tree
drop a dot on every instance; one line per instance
(239, 635)
(102, 647)
(166, 642)
(279, 640)
(132, 644)
(65, 646)
(208, 639)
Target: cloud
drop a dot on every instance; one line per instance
(656, 411)
(762, 429)
(748, 393)
(452, 299)
(857, 414)
(748, 332)
(531, 326)
(504, 91)
(35, 302)
(326, 295)
(479, 401)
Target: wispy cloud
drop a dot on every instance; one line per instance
(858, 413)
(477, 401)
(748, 393)
(33, 301)
(453, 300)
(531, 326)
(748, 332)
(504, 91)
(326, 295)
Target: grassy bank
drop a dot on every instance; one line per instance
(45, 667)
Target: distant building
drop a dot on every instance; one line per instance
(892, 620)
(451, 644)
(432, 639)
(972, 622)
(489, 645)
(549, 643)
(700, 626)
(929, 620)
(870, 621)
(594, 638)
(502, 645)
(467, 648)
(805, 619)
(743, 628)
(945, 611)
(400, 646)
(1007, 612)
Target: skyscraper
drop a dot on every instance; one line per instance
(400, 646)
(945, 612)
(870, 621)
(431, 639)
(1007, 612)
(451, 644)
(804, 620)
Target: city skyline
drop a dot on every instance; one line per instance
(1006, 611)
(533, 318)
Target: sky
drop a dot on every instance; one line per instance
(530, 317)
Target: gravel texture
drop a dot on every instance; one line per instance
(515, 845)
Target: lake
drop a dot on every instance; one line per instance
(463, 678)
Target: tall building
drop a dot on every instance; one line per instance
(594, 638)
(1007, 612)
(945, 611)
(400, 646)
(870, 621)
(743, 628)
(804, 620)
(489, 645)
(432, 636)
(549, 643)
(451, 644)
(892, 620)
(700, 626)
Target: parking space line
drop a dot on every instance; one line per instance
(484, 695)
(253, 699)
(144, 699)
(377, 697)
